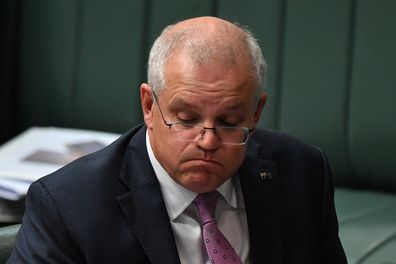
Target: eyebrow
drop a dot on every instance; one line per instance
(180, 103)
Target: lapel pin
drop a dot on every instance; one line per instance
(266, 175)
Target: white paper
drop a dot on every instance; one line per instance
(13, 189)
(16, 173)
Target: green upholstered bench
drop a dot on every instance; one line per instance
(338, 92)
(367, 225)
(7, 237)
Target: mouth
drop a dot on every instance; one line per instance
(203, 162)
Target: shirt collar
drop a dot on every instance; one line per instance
(176, 197)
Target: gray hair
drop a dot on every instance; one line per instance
(200, 51)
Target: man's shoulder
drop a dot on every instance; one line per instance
(275, 143)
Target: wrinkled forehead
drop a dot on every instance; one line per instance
(219, 73)
(216, 83)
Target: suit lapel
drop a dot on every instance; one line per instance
(260, 186)
(143, 205)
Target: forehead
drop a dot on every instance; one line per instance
(208, 83)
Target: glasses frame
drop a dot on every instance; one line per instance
(247, 130)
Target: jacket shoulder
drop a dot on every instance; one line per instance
(274, 144)
(100, 167)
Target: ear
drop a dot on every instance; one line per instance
(146, 98)
(260, 105)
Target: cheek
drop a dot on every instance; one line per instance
(167, 151)
(233, 158)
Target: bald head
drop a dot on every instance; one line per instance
(203, 25)
(208, 22)
(205, 40)
(208, 39)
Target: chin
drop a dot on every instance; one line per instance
(201, 182)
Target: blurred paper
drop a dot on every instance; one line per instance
(51, 157)
(13, 189)
(41, 150)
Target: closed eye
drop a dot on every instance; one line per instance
(190, 121)
(228, 124)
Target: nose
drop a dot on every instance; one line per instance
(208, 139)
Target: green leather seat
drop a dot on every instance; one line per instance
(367, 225)
(349, 110)
(7, 237)
(368, 218)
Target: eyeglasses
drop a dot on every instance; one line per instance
(230, 135)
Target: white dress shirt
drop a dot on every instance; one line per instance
(230, 216)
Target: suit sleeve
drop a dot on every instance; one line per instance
(42, 237)
(331, 250)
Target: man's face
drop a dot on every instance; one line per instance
(209, 95)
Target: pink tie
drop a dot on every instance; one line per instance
(217, 246)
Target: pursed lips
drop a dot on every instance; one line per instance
(204, 162)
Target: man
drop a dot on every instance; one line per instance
(198, 183)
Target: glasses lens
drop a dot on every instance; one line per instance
(227, 135)
(186, 131)
(232, 135)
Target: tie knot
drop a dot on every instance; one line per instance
(206, 204)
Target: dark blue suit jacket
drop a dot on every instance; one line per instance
(107, 207)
